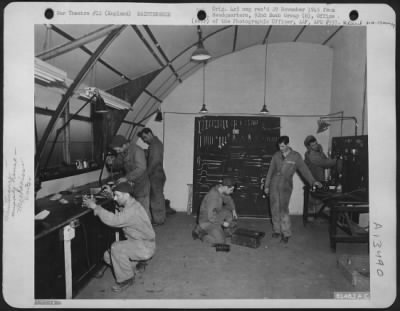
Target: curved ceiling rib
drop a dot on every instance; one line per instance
(169, 61)
(140, 35)
(267, 34)
(149, 32)
(332, 35)
(151, 95)
(299, 34)
(72, 45)
(87, 51)
(234, 39)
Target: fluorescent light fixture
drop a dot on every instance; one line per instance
(109, 99)
(48, 73)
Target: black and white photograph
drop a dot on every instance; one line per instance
(226, 158)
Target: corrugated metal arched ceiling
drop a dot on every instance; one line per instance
(156, 58)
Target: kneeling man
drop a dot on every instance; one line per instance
(140, 237)
(217, 214)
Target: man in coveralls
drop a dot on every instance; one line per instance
(155, 171)
(317, 162)
(140, 237)
(217, 214)
(132, 160)
(279, 184)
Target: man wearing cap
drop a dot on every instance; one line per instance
(132, 160)
(217, 214)
(156, 174)
(279, 185)
(317, 162)
(140, 237)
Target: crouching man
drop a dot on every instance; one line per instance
(217, 216)
(140, 237)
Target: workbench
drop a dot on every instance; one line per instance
(344, 209)
(69, 245)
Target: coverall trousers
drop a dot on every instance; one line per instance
(123, 257)
(157, 199)
(215, 233)
(280, 192)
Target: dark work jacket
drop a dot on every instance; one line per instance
(155, 158)
(281, 170)
(317, 162)
(133, 162)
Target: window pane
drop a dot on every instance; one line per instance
(75, 104)
(81, 140)
(57, 155)
(46, 97)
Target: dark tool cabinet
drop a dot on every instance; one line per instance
(239, 147)
(354, 152)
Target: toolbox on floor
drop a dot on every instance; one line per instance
(247, 237)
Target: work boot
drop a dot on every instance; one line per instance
(198, 233)
(99, 274)
(168, 210)
(276, 235)
(141, 266)
(285, 239)
(119, 287)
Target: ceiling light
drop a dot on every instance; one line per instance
(264, 110)
(200, 54)
(159, 116)
(100, 105)
(323, 125)
(203, 109)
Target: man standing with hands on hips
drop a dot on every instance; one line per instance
(279, 185)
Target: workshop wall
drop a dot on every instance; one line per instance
(298, 83)
(348, 79)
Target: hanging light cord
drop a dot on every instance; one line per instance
(204, 83)
(265, 74)
(199, 33)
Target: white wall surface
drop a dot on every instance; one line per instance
(298, 83)
(348, 80)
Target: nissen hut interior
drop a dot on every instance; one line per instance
(200, 162)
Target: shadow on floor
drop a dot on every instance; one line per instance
(183, 268)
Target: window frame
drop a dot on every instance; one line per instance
(61, 170)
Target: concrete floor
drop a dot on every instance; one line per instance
(182, 268)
